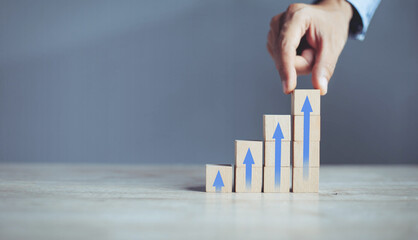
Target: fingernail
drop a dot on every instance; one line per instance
(323, 82)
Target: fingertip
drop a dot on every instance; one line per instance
(323, 70)
(288, 85)
(291, 86)
(320, 83)
(320, 79)
(284, 87)
(323, 85)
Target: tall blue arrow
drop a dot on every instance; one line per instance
(248, 161)
(278, 136)
(218, 183)
(306, 109)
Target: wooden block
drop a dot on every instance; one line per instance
(269, 180)
(299, 98)
(314, 128)
(308, 184)
(218, 178)
(271, 122)
(270, 154)
(241, 183)
(251, 149)
(314, 154)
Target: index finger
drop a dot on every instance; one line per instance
(291, 33)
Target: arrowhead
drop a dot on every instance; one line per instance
(248, 158)
(218, 181)
(306, 105)
(278, 134)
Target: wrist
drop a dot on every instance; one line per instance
(338, 5)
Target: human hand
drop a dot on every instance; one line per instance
(309, 38)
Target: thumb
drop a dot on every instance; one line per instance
(323, 68)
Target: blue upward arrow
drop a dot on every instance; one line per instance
(248, 161)
(278, 136)
(306, 109)
(218, 183)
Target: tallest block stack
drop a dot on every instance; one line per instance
(306, 138)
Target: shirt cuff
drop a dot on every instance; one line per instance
(364, 10)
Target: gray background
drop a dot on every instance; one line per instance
(178, 81)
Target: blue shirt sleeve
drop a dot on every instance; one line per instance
(361, 19)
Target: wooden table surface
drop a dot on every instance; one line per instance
(56, 201)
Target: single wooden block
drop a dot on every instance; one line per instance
(252, 183)
(314, 128)
(271, 127)
(270, 184)
(248, 153)
(314, 154)
(299, 96)
(218, 178)
(270, 153)
(307, 182)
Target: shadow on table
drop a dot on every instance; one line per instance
(200, 188)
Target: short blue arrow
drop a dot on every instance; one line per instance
(218, 183)
(306, 109)
(278, 136)
(248, 161)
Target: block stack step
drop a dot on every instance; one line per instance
(277, 136)
(306, 114)
(248, 166)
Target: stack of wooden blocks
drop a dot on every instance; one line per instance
(306, 136)
(278, 135)
(277, 129)
(248, 166)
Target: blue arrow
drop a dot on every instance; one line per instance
(278, 136)
(248, 161)
(306, 109)
(218, 183)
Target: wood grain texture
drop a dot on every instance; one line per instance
(241, 149)
(269, 180)
(226, 173)
(270, 123)
(314, 129)
(305, 185)
(270, 154)
(256, 180)
(314, 154)
(298, 99)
